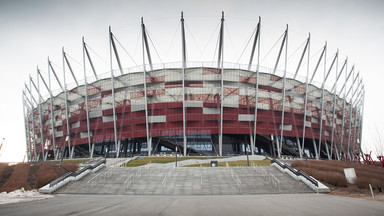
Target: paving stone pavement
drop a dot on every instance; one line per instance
(167, 180)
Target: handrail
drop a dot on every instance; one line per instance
(296, 172)
(93, 179)
(274, 180)
(142, 171)
(128, 180)
(264, 172)
(61, 178)
(75, 174)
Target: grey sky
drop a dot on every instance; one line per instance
(33, 30)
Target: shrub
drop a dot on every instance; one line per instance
(332, 172)
(2, 167)
(363, 182)
(7, 172)
(17, 179)
(70, 166)
(46, 174)
(333, 178)
(32, 176)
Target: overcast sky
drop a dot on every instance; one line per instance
(33, 30)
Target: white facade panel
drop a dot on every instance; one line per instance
(107, 100)
(194, 77)
(298, 100)
(106, 106)
(137, 107)
(262, 106)
(247, 91)
(193, 103)
(307, 124)
(108, 118)
(173, 78)
(246, 117)
(292, 105)
(212, 77)
(173, 91)
(58, 123)
(59, 134)
(156, 86)
(95, 114)
(210, 110)
(136, 79)
(106, 85)
(277, 84)
(85, 134)
(75, 125)
(286, 127)
(157, 119)
(231, 101)
(121, 96)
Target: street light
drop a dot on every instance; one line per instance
(176, 158)
(246, 151)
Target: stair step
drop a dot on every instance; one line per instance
(186, 180)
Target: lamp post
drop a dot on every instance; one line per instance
(246, 151)
(176, 158)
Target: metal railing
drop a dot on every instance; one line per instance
(296, 172)
(93, 180)
(267, 176)
(128, 181)
(168, 174)
(75, 174)
(136, 176)
(275, 181)
(201, 174)
(234, 175)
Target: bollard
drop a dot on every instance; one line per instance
(373, 195)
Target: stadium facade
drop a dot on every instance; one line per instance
(194, 108)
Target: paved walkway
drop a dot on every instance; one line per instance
(282, 204)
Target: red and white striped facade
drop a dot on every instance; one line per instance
(202, 104)
(186, 101)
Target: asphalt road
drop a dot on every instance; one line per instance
(241, 205)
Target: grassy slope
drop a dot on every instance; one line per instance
(32, 175)
(332, 172)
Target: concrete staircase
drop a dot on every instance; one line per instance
(159, 180)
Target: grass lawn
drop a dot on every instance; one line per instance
(265, 162)
(145, 160)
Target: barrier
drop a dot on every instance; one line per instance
(71, 176)
(299, 175)
(296, 172)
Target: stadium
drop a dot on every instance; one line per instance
(197, 108)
